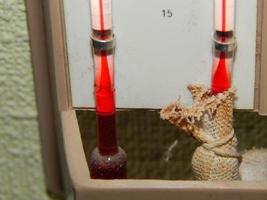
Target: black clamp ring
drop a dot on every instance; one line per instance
(227, 47)
(103, 45)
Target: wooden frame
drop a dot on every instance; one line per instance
(58, 122)
(49, 59)
(45, 103)
(263, 69)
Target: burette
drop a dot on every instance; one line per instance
(108, 160)
(101, 12)
(103, 43)
(224, 45)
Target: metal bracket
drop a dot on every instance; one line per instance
(103, 45)
(227, 46)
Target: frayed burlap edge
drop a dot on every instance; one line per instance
(209, 120)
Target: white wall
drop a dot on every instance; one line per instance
(157, 57)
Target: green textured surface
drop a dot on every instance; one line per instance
(146, 138)
(21, 173)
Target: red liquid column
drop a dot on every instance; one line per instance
(224, 45)
(108, 160)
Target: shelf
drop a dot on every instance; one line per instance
(86, 188)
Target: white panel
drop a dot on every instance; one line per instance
(156, 56)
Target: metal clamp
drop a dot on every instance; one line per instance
(103, 45)
(228, 46)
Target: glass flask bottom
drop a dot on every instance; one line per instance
(108, 166)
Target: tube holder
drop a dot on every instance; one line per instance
(103, 45)
(228, 46)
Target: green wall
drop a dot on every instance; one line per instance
(21, 172)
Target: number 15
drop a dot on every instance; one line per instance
(167, 13)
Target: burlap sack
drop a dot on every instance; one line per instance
(209, 120)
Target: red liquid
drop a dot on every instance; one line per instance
(224, 16)
(105, 100)
(108, 161)
(108, 166)
(107, 141)
(101, 15)
(221, 80)
(224, 35)
(102, 34)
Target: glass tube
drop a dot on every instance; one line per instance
(108, 160)
(223, 60)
